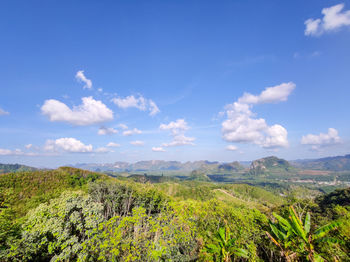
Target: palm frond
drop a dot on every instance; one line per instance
(322, 231)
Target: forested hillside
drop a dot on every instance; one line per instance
(70, 214)
(6, 168)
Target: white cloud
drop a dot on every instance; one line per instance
(180, 125)
(312, 26)
(99, 89)
(333, 19)
(107, 131)
(153, 108)
(322, 139)
(112, 144)
(272, 94)
(138, 102)
(131, 132)
(137, 143)
(88, 113)
(241, 125)
(82, 78)
(16, 152)
(123, 126)
(180, 140)
(276, 137)
(103, 150)
(178, 129)
(3, 112)
(158, 149)
(29, 146)
(4, 152)
(231, 148)
(67, 144)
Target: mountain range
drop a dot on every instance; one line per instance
(259, 166)
(271, 163)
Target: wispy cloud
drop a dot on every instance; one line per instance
(137, 143)
(112, 144)
(16, 152)
(131, 132)
(103, 150)
(82, 78)
(231, 148)
(123, 126)
(158, 149)
(107, 131)
(3, 112)
(138, 102)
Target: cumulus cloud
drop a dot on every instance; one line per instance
(138, 102)
(82, 78)
(3, 112)
(67, 144)
(180, 125)
(241, 125)
(231, 148)
(333, 19)
(107, 131)
(112, 144)
(29, 146)
(158, 149)
(90, 112)
(137, 143)
(131, 132)
(178, 129)
(322, 139)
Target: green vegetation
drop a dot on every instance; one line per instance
(7, 168)
(69, 214)
(225, 247)
(295, 239)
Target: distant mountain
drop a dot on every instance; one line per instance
(337, 163)
(227, 167)
(161, 165)
(8, 168)
(261, 166)
(270, 164)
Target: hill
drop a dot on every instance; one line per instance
(269, 165)
(337, 163)
(7, 168)
(161, 165)
(69, 214)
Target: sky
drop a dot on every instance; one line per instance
(105, 81)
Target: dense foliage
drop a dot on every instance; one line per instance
(70, 214)
(7, 168)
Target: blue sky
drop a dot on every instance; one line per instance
(105, 81)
